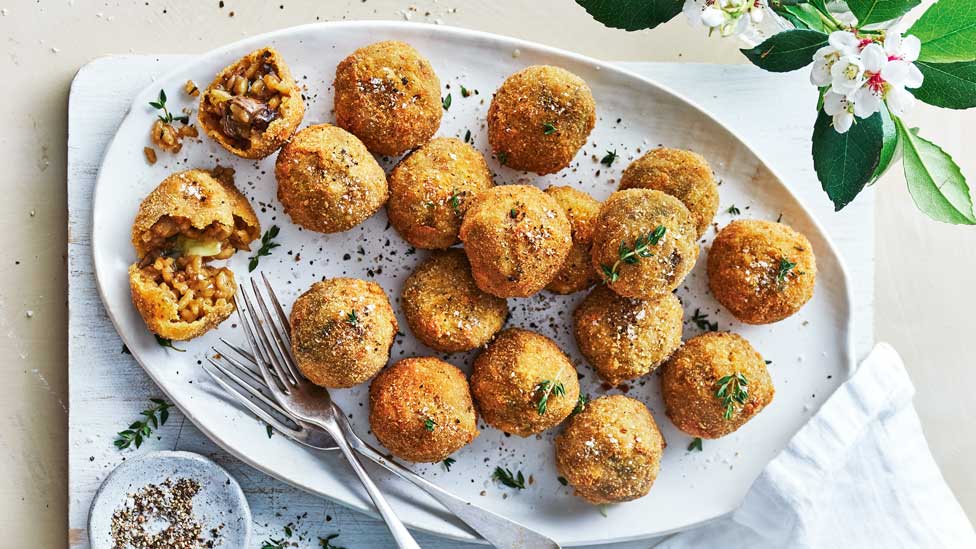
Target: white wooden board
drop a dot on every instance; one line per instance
(107, 388)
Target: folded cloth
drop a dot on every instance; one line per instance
(858, 475)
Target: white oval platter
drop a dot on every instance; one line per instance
(811, 352)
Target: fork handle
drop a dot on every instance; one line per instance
(494, 528)
(400, 534)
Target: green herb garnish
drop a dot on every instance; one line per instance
(273, 544)
(269, 430)
(546, 389)
(352, 318)
(464, 91)
(563, 481)
(467, 136)
(167, 344)
(548, 128)
(630, 256)
(785, 266)
(732, 389)
(429, 424)
(506, 477)
(446, 102)
(701, 320)
(608, 159)
(581, 403)
(448, 462)
(696, 444)
(167, 117)
(455, 200)
(502, 157)
(141, 429)
(267, 245)
(733, 210)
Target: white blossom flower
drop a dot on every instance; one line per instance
(847, 74)
(841, 109)
(727, 16)
(840, 44)
(863, 75)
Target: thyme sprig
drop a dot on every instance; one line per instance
(548, 128)
(785, 266)
(430, 424)
(732, 389)
(141, 429)
(506, 477)
(267, 244)
(696, 445)
(167, 344)
(608, 159)
(448, 462)
(167, 117)
(733, 210)
(352, 318)
(701, 320)
(547, 388)
(581, 403)
(631, 255)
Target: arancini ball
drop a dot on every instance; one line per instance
(253, 106)
(611, 451)
(577, 272)
(625, 338)
(327, 180)
(516, 238)
(420, 409)
(714, 384)
(761, 271)
(644, 243)
(539, 119)
(444, 307)
(341, 331)
(388, 96)
(682, 174)
(431, 189)
(523, 383)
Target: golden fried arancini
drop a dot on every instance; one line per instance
(539, 119)
(445, 308)
(682, 174)
(517, 238)
(192, 217)
(611, 451)
(421, 409)
(761, 271)
(253, 106)
(181, 298)
(714, 384)
(431, 189)
(194, 213)
(577, 272)
(327, 180)
(523, 383)
(644, 243)
(341, 331)
(388, 96)
(625, 338)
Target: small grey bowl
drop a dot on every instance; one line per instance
(219, 501)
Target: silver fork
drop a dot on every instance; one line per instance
(268, 337)
(303, 399)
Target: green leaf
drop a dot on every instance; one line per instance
(948, 85)
(787, 51)
(845, 162)
(889, 145)
(804, 16)
(869, 12)
(632, 15)
(947, 31)
(937, 185)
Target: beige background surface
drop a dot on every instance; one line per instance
(924, 289)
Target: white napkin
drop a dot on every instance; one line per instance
(858, 475)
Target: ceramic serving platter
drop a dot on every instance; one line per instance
(811, 352)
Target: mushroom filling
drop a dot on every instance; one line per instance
(176, 236)
(195, 287)
(247, 100)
